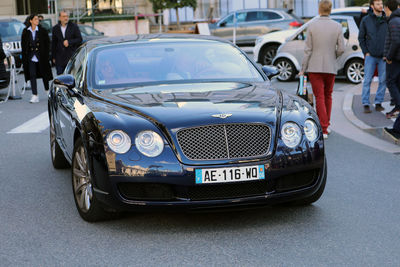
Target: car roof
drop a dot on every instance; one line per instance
(349, 9)
(260, 9)
(153, 37)
(9, 20)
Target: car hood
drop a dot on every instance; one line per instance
(14, 38)
(191, 104)
(279, 35)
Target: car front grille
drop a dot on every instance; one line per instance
(225, 141)
(15, 47)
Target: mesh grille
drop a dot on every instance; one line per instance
(227, 141)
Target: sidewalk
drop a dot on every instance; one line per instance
(372, 123)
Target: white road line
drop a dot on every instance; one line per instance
(35, 125)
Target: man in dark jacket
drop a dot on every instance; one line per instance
(372, 34)
(66, 39)
(392, 55)
(4, 77)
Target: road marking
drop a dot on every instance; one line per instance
(35, 125)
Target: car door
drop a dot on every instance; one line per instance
(225, 27)
(348, 44)
(66, 101)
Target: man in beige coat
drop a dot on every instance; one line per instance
(324, 44)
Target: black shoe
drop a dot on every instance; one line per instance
(366, 109)
(392, 102)
(393, 113)
(393, 133)
(378, 107)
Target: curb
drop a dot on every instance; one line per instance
(347, 108)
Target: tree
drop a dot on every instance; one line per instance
(176, 4)
(158, 5)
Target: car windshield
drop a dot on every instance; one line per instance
(12, 28)
(124, 65)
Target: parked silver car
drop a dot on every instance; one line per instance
(252, 23)
(351, 64)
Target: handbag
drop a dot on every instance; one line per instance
(302, 90)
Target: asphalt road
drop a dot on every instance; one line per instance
(355, 223)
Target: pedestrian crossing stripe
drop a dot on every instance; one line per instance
(36, 125)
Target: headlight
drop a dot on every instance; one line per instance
(119, 141)
(149, 143)
(310, 130)
(291, 134)
(7, 46)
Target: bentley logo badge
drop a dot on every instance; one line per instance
(221, 116)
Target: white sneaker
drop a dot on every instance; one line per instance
(325, 136)
(329, 131)
(34, 99)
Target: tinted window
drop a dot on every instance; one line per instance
(117, 66)
(252, 16)
(344, 23)
(269, 15)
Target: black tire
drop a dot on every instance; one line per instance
(57, 156)
(89, 208)
(314, 197)
(287, 70)
(354, 70)
(267, 54)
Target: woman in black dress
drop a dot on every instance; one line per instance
(35, 44)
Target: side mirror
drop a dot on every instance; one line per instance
(270, 71)
(102, 33)
(67, 81)
(222, 24)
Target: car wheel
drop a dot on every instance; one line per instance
(314, 197)
(57, 156)
(287, 71)
(88, 206)
(267, 54)
(354, 70)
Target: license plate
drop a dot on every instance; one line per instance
(229, 175)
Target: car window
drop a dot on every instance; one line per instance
(266, 15)
(46, 24)
(345, 25)
(252, 16)
(12, 28)
(91, 31)
(76, 65)
(228, 20)
(162, 62)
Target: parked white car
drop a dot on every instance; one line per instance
(351, 64)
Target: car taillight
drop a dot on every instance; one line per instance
(295, 24)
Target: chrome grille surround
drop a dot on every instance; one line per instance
(225, 141)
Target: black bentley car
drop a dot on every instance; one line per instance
(180, 122)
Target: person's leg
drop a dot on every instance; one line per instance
(60, 69)
(369, 69)
(380, 93)
(32, 77)
(392, 77)
(317, 84)
(329, 81)
(396, 125)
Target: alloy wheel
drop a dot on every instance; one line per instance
(82, 182)
(355, 72)
(285, 70)
(52, 139)
(269, 55)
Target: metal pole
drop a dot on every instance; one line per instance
(92, 14)
(234, 27)
(160, 17)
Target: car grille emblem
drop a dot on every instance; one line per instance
(221, 116)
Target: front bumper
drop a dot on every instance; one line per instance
(179, 192)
